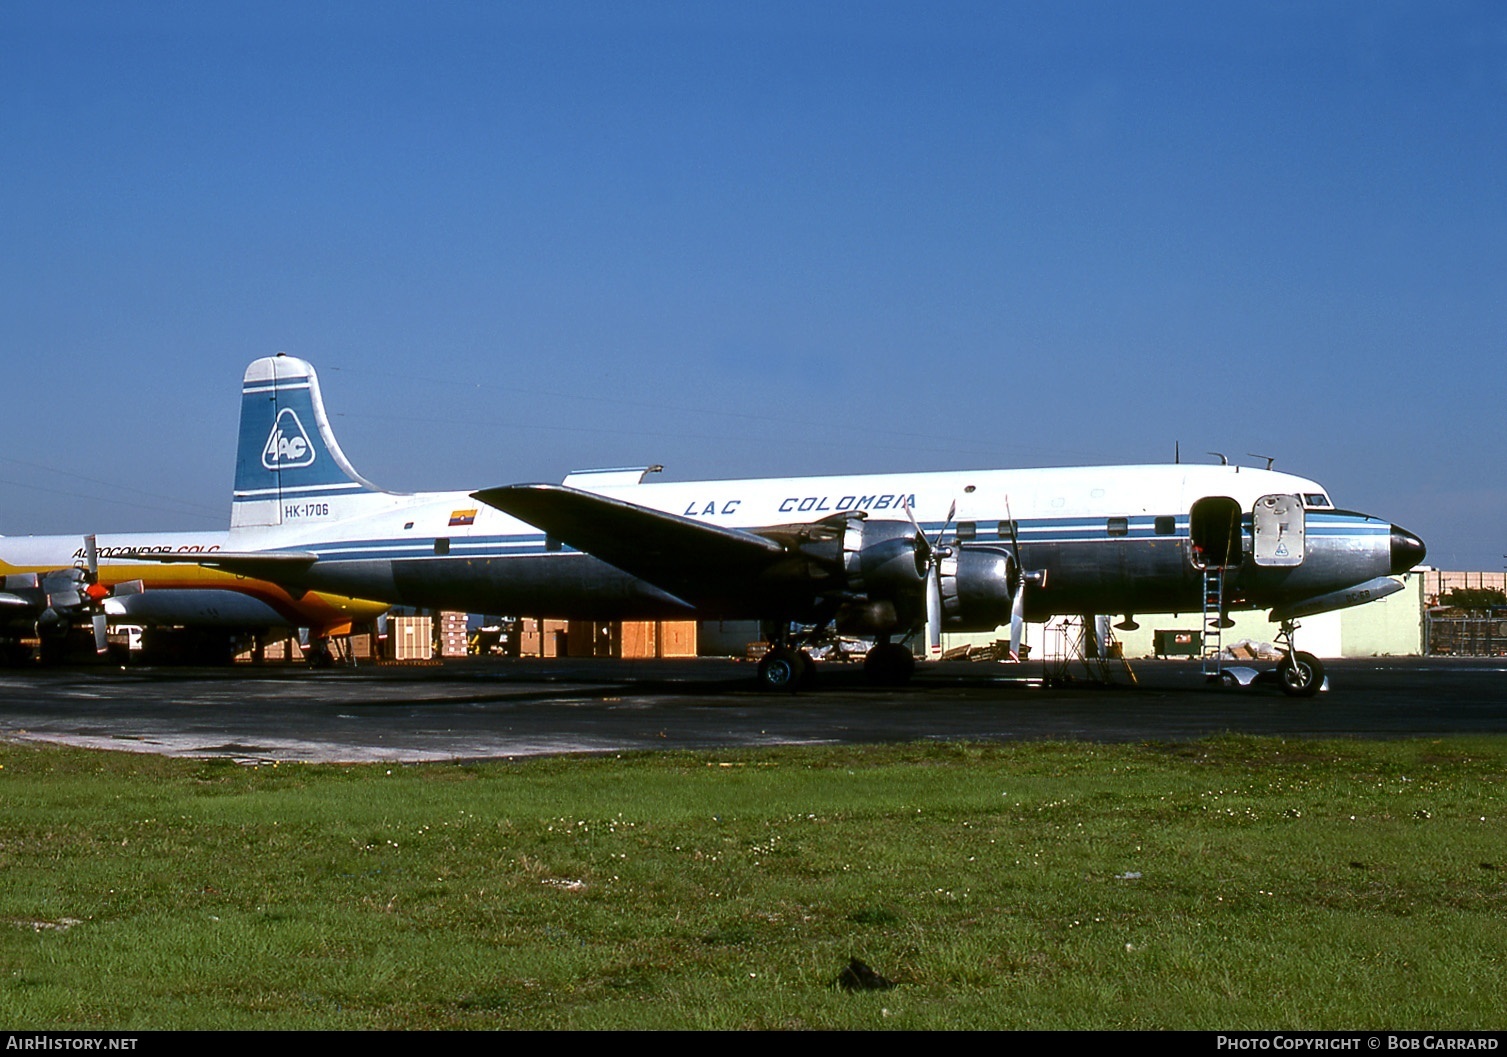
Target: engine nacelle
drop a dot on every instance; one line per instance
(976, 584)
(883, 559)
(875, 571)
(853, 554)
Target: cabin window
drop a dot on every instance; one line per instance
(1007, 529)
(967, 530)
(407, 525)
(551, 544)
(442, 545)
(1316, 499)
(1119, 526)
(1166, 525)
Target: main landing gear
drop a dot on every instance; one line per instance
(889, 664)
(788, 667)
(785, 669)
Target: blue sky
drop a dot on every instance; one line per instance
(761, 239)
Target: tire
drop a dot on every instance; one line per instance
(889, 664)
(781, 671)
(1301, 675)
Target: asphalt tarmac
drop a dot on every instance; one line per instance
(502, 709)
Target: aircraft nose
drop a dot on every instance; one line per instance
(1407, 550)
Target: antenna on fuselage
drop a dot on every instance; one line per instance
(1223, 461)
(1269, 458)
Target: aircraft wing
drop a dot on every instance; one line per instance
(272, 566)
(690, 559)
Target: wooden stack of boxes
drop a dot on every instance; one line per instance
(452, 634)
(543, 638)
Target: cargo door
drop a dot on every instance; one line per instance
(1278, 530)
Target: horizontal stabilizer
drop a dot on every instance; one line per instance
(690, 559)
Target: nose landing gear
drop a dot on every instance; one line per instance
(1300, 673)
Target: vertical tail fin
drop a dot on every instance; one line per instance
(288, 465)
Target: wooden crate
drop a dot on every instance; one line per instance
(656, 638)
(410, 638)
(677, 638)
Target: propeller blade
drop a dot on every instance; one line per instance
(951, 511)
(934, 610)
(1017, 618)
(934, 553)
(1014, 539)
(65, 598)
(922, 543)
(101, 633)
(94, 591)
(1018, 597)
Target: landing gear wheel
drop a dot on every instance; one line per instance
(782, 670)
(1301, 675)
(889, 664)
(318, 654)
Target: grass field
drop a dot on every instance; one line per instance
(1229, 883)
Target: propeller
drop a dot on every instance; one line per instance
(96, 593)
(1018, 594)
(62, 597)
(70, 593)
(935, 555)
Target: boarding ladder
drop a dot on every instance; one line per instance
(1213, 637)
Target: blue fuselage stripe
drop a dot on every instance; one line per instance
(1066, 530)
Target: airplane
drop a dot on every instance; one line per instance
(886, 556)
(51, 584)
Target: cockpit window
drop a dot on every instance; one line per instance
(1316, 499)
